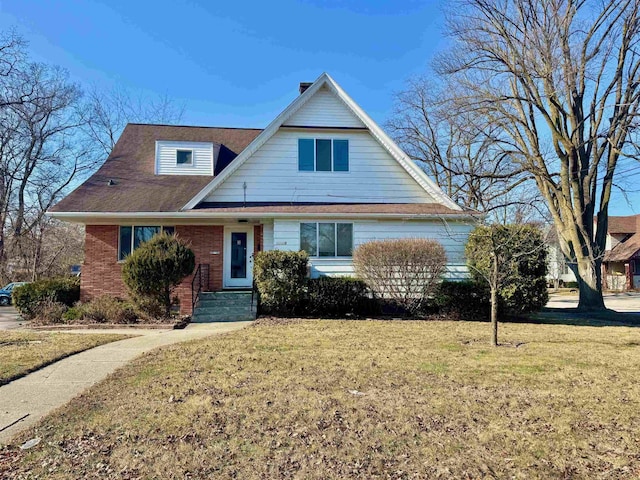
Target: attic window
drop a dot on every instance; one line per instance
(323, 155)
(184, 157)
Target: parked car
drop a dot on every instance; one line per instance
(5, 293)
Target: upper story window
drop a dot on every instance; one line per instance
(184, 157)
(131, 237)
(327, 239)
(323, 155)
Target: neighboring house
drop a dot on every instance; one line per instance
(558, 271)
(322, 177)
(621, 262)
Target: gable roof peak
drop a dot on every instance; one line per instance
(378, 134)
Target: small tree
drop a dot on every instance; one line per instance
(511, 259)
(406, 271)
(154, 269)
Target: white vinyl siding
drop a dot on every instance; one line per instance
(202, 159)
(325, 109)
(272, 175)
(267, 236)
(453, 236)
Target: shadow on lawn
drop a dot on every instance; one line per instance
(571, 316)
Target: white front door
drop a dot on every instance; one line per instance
(238, 257)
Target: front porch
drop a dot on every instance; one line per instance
(224, 259)
(621, 275)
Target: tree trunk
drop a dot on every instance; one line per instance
(494, 301)
(589, 276)
(494, 316)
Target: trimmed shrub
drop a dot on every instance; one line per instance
(338, 296)
(107, 309)
(465, 300)
(64, 290)
(280, 278)
(49, 312)
(155, 268)
(522, 259)
(73, 314)
(405, 272)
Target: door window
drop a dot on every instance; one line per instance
(239, 255)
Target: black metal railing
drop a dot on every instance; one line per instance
(254, 295)
(199, 283)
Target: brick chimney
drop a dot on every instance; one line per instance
(304, 86)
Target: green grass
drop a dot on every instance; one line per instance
(358, 399)
(24, 352)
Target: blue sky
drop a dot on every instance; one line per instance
(234, 63)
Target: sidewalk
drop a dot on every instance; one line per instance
(44, 390)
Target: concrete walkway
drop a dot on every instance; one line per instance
(36, 394)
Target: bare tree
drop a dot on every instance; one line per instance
(39, 151)
(110, 111)
(511, 261)
(458, 150)
(560, 78)
(51, 136)
(49, 249)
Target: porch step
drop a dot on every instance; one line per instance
(224, 307)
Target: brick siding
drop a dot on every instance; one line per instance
(257, 238)
(102, 274)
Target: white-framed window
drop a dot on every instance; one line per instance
(326, 239)
(323, 155)
(184, 156)
(131, 236)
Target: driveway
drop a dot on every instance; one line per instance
(10, 319)
(620, 302)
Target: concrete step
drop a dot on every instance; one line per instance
(224, 311)
(236, 294)
(234, 306)
(204, 318)
(224, 303)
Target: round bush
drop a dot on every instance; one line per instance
(404, 271)
(156, 267)
(280, 278)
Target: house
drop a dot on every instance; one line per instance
(621, 261)
(322, 177)
(558, 272)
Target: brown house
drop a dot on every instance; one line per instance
(621, 262)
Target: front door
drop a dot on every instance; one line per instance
(238, 257)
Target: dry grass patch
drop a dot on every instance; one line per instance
(24, 352)
(359, 399)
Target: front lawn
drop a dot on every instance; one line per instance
(25, 352)
(357, 399)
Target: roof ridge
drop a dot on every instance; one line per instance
(190, 126)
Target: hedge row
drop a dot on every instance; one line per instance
(285, 290)
(281, 279)
(28, 298)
